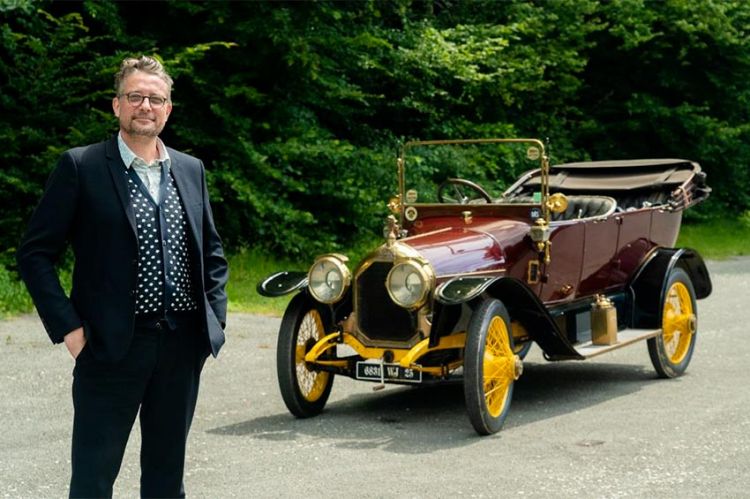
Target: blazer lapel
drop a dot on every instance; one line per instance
(189, 195)
(117, 171)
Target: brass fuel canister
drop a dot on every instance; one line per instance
(603, 322)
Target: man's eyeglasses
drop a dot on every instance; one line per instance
(135, 99)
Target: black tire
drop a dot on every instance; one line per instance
(672, 350)
(305, 391)
(489, 344)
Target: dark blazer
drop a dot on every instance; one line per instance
(86, 203)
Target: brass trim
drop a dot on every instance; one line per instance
(339, 261)
(422, 314)
(546, 204)
(543, 161)
(416, 143)
(391, 230)
(426, 274)
(396, 253)
(410, 213)
(497, 272)
(394, 205)
(473, 206)
(401, 186)
(557, 202)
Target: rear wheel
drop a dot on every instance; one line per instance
(490, 367)
(672, 350)
(305, 391)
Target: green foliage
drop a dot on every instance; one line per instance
(298, 108)
(672, 79)
(493, 166)
(248, 268)
(52, 97)
(305, 126)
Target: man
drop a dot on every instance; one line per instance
(147, 304)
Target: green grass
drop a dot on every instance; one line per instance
(13, 296)
(246, 269)
(719, 238)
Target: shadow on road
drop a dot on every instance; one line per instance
(417, 420)
(553, 389)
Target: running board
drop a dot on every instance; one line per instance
(624, 338)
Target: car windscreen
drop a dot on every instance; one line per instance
(444, 173)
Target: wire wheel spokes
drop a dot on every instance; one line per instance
(672, 350)
(678, 322)
(312, 384)
(499, 366)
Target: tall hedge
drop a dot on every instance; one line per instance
(298, 108)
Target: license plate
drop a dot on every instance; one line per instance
(393, 372)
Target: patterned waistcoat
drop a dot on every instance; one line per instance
(164, 282)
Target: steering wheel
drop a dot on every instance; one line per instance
(459, 194)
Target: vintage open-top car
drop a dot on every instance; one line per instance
(577, 258)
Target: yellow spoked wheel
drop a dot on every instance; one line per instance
(490, 367)
(305, 391)
(672, 350)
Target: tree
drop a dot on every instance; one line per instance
(298, 108)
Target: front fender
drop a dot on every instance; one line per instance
(282, 283)
(462, 289)
(523, 305)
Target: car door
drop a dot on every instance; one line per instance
(562, 275)
(598, 254)
(633, 244)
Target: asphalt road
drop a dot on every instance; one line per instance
(605, 427)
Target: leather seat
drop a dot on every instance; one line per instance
(586, 207)
(644, 201)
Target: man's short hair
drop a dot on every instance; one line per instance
(143, 63)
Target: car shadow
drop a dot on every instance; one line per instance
(406, 420)
(547, 390)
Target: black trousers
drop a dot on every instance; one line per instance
(160, 376)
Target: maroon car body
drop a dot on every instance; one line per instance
(578, 258)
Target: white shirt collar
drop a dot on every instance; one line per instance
(128, 156)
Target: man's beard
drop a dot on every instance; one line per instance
(134, 128)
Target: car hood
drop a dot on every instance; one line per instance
(464, 249)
